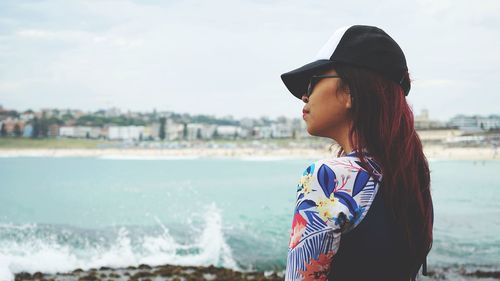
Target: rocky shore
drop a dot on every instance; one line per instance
(148, 273)
(194, 273)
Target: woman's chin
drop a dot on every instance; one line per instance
(310, 130)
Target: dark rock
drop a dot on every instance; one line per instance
(88, 278)
(142, 274)
(144, 266)
(22, 276)
(484, 274)
(163, 271)
(37, 275)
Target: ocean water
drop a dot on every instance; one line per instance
(59, 214)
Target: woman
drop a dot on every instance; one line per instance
(366, 214)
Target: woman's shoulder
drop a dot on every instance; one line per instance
(344, 162)
(346, 165)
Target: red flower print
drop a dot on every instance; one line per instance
(317, 269)
(298, 227)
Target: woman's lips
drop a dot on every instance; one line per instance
(304, 112)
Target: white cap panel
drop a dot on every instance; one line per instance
(329, 47)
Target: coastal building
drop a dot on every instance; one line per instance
(464, 123)
(489, 122)
(12, 126)
(28, 131)
(475, 123)
(152, 132)
(67, 131)
(227, 131)
(83, 131)
(125, 132)
(96, 133)
(198, 131)
(53, 130)
(281, 130)
(173, 130)
(262, 132)
(78, 132)
(423, 122)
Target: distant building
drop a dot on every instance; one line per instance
(476, 123)
(125, 132)
(28, 131)
(67, 131)
(173, 130)
(263, 132)
(227, 131)
(152, 132)
(10, 125)
(423, 122)
(96, 133)
(198, 131)
(53, 130)
(281, 130)
(489, 122)
(79, 132)
(299, 128)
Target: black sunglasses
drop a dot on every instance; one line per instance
(314, 80)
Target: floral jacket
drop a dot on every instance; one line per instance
(333, 196)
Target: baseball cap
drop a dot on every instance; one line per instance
(359, 45)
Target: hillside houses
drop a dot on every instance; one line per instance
(112, 124)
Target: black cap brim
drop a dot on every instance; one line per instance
(297, 80)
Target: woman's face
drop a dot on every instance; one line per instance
(327, 108)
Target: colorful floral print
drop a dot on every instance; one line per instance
(333, 196)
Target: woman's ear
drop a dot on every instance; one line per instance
(349, 98)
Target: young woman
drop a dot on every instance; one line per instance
(366, 214)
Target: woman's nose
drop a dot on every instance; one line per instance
(305, 99)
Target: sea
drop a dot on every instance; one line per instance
(58, 214)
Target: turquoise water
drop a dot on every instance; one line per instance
(58, 214)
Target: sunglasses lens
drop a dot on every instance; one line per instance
(310, 87)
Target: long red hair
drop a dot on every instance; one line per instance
(383, 124)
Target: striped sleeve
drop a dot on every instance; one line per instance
(332, 198)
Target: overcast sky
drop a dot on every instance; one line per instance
(226, 57)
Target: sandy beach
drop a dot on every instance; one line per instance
(432, 153)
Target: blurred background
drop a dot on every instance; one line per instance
(159, 132)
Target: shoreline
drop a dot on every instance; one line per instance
(169, 272)
(145, 272)
(432, 153)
